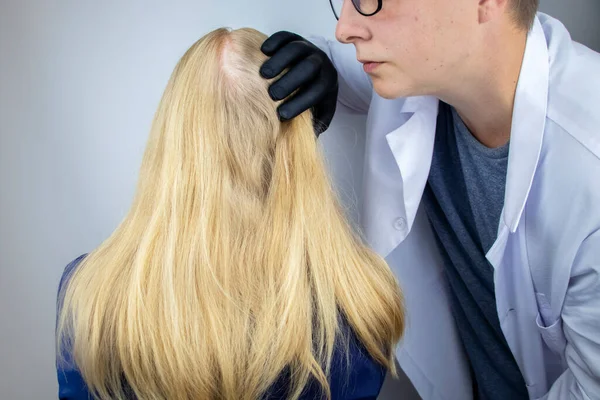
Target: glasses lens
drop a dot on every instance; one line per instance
(367, 7)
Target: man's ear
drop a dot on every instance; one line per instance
(490, 10)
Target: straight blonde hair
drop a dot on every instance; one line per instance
(235, 262)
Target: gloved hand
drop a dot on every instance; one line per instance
(311, 71)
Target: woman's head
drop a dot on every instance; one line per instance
(235, 262)
(216, 111)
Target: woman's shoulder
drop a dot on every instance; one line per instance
(354, 374)
(68, 271)
(71, 385)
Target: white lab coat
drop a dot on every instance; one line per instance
(546, 258)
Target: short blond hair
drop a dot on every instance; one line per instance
(524, 12)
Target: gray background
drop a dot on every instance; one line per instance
(79, 83)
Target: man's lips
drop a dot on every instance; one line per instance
(370, 66)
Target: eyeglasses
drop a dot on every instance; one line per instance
(364, 7)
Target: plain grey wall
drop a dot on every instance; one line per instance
(582, 17)
(79, 82)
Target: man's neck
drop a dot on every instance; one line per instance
(484, 93)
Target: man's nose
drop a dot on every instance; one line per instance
(351, 25)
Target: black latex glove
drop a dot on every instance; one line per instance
(311, 71)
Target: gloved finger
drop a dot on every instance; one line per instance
(303, 100)
(299, 75)
(277, 41)
(285, 57)
(323, 115)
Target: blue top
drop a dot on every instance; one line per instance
(463, 200)
(360, 380)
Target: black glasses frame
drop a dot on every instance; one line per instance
(379, 5)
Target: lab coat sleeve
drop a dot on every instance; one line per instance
(355, 87)
(581, 326)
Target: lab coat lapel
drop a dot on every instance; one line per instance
(515, 299)
(529, 120)
(398, 155)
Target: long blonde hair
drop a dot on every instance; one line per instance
(235, 262)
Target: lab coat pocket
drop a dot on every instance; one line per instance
(550, 327)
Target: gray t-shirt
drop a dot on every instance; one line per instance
(484, 172)
(463, 199)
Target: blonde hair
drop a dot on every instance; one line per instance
(235, 262)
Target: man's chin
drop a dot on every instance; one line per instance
(388, 91)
